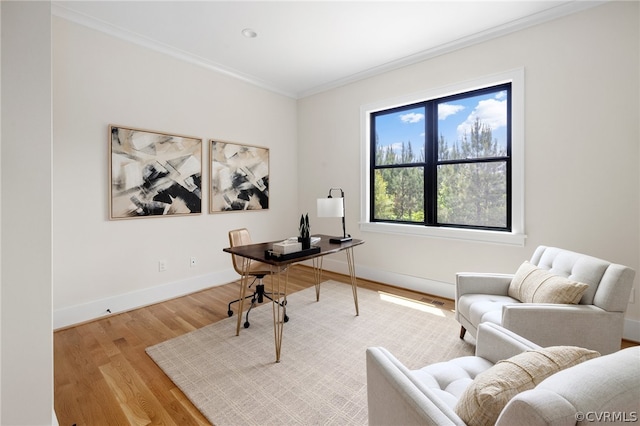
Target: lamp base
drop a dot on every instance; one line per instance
(339, 240)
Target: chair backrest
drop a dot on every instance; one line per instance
(238, 237)
(609, 283)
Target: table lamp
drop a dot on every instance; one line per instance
(334, 207)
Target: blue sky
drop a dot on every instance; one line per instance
(454, 118)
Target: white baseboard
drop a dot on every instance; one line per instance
(125, 302)
(630, 332)
(423, 285)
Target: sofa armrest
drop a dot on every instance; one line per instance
(482, 283)
(582, 325)
(538, 408)
(603, 385)
(395, 398)
(496, 343)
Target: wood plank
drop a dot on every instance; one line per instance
(196, 416)
(127, 395)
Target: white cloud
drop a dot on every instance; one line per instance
(490, 112)
(445, 110)
(397, 147)
(412, 117)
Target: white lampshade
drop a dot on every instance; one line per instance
(330, 207)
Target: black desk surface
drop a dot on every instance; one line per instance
(257, 251)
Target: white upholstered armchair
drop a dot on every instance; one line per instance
(594, 320)
(557, 386)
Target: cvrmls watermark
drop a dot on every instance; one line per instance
(607, 416)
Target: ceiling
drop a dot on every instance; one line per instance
(305, 47)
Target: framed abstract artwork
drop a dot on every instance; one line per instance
(153, 174)
(239, 177)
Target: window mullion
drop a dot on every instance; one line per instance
(430, 167)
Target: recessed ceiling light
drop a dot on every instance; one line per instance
(249, 33)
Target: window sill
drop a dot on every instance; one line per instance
(494, 237)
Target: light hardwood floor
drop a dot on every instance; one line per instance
(103, 376)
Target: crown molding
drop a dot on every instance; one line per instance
(140, 40)
(495, 32)
(559, 11)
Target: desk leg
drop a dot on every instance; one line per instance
(244, 282)
(317, 275)
(279, 285)
(352, 275)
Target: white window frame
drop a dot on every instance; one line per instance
(517, 235)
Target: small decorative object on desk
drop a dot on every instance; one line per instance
(304, 237)
(286, 247)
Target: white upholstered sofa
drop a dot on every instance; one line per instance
(594, 322)
(603, 388)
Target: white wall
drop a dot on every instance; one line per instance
(581, 149)
(100, 80)
(27, 341)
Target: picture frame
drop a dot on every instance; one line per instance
(239, 177)
(153, 174)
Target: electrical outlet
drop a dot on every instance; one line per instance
(162, 265)
(193, 262)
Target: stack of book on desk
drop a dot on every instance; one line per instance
(291, 248)
(287, 246)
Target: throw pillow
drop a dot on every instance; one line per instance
(484, 399)
(531, 284)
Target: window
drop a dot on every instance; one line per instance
(446, 164)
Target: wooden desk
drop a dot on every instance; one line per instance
(279, 278)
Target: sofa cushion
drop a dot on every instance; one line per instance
(531, 284)
(484, 399)
(450, 379)
(479, 308)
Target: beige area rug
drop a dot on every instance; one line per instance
(321, 376)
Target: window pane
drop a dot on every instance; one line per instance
(473, 194)
(399, 194)
(473, 127)
(399, 137)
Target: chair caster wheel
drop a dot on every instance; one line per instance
(286, 318)
(246, 324)
(230, 313)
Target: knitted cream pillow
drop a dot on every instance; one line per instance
(483, 401)
(531, 284)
